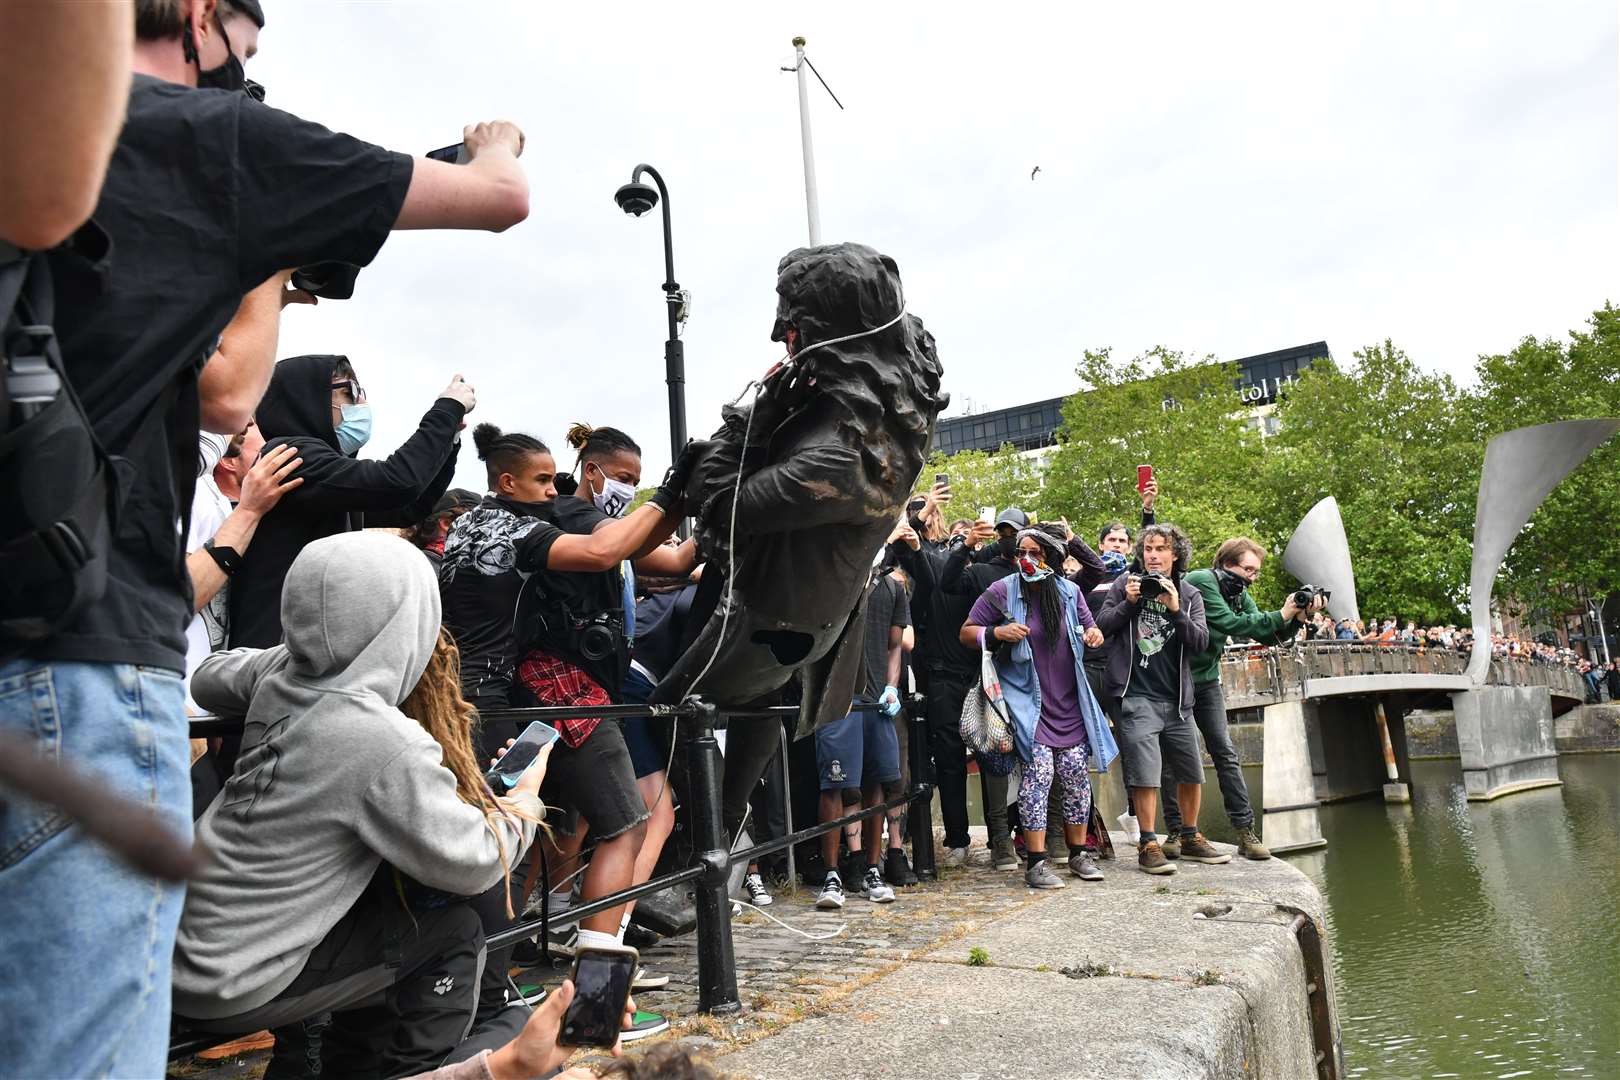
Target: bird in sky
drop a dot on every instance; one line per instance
(1033, 171)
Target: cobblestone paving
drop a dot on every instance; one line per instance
(781, 976)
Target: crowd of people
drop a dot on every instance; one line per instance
(230, 551)
(1323, 627)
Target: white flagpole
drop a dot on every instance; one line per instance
(812, 207)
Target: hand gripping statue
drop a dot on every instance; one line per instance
(798, 491)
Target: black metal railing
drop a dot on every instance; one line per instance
(713, 860)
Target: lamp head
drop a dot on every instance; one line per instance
(636, 199)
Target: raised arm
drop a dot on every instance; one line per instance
(490, 192)
(63, 89)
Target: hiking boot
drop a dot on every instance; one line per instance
(1171, 844)
(1040, 876)
(955, 858)
(1082, 866)
(758, 894)
(1150, 858)
(1195, 848)
(1002, 855)
(642, 1025)
(1250, 847)
(897, 868)
(832, 892)
(874, 888)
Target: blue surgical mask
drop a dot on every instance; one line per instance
(355, 430)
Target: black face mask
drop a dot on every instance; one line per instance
(228, 76)
(1231, 585)
(1007, 546)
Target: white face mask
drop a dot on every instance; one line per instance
(615, 497)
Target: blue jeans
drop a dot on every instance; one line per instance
(85, 965)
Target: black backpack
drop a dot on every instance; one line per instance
(57, 493)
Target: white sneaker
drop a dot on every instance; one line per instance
(1133, 829)
(758, 894)
(647, 980)
(874, 888)
(832, 892)
(954, 857)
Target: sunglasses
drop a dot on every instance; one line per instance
(355, 391)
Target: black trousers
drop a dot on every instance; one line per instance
(946, 691)
(402, 988)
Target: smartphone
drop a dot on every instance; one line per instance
(987, 514)
(1144, 473)
(505, 773)
(450, 155)
(601, 989)
(941, 480)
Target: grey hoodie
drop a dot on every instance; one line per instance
(332, 779)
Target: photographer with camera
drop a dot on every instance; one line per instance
(1153, 623)
(1232, 614)
(208, 194)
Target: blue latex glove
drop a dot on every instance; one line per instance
(890, 700)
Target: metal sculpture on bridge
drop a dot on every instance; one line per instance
(1319, 553)
(1521, 467)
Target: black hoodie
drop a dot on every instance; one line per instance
(339, 493)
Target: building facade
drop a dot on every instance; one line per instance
(1034, 426)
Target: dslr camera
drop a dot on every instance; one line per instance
(1306, 595)
(598, 637)
(1154, 586)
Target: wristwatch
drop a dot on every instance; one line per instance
(229, 559)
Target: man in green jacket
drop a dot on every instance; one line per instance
(1231, 613)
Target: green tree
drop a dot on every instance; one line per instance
(1000, 479)
(1397, 447)
(1159, 409)
(1571, 545)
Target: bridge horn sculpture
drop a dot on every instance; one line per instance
(1319, 553)
(1505, 733)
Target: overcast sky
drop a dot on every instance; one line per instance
(1225, 178)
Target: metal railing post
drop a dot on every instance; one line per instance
(922, 810)
(717, 964)
(787, 809)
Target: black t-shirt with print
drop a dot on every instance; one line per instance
(1155, 655)
(561, 595)
(208, 193)
(489, 553)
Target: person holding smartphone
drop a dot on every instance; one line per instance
(336, 799)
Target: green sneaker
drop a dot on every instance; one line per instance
(643, 1025)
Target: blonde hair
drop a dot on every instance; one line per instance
(436, 704)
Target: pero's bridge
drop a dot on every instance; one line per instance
(1334, 716)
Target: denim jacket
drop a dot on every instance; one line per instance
(1022, 689)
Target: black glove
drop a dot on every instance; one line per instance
(672, 491)
(567, 484)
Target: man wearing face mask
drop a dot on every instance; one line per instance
(317, 405)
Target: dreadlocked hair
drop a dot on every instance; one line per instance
(503, 452)
(596, 443)
(436, 704)
(1044, 596)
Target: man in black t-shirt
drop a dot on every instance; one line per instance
(1153, 621)
(208, 194)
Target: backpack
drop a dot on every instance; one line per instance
(57, 495)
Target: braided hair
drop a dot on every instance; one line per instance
(502, 452)
(599, 443)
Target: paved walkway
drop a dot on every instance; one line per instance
(903, 975)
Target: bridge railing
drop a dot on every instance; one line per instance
(1253, 676)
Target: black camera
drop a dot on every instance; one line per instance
(328, 280)
(1306, 595)
(597, 638)
(1154, 585)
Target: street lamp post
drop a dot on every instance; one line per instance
(635, 199)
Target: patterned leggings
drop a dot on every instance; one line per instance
(1072, 774)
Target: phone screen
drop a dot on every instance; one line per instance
(450, 155)
(510, 768)
(601, 988)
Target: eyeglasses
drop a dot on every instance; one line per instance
(354, 389)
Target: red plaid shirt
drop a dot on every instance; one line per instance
(557, 682)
